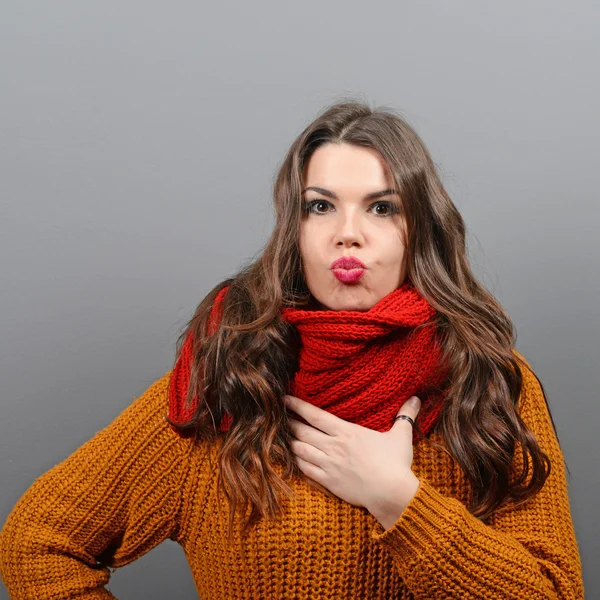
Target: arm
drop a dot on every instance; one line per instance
(111, 501)
(441, 550)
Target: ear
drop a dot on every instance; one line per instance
(411, 409)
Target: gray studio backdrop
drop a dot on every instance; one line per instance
(138, 145)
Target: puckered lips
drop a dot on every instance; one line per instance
(348, 269)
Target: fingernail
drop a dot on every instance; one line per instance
(414, 402)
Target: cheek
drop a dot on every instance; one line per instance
(393, 241)
(302, 244)
(308, 243)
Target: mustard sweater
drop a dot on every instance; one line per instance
(136, 483)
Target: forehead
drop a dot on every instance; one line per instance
(346, 167)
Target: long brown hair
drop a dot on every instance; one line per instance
(244, 366)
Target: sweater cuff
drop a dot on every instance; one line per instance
(428, 524)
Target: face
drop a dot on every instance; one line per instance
(343, 218)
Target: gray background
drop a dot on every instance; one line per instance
(138, 145)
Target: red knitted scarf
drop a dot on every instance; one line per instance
(359, 365)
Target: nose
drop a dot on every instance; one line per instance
(349, 231)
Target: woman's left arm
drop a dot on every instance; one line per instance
(442, 550)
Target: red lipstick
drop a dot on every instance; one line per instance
(348, 268)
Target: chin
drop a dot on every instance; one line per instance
(342, 296)
(353, 301)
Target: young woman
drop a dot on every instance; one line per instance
(347, 417)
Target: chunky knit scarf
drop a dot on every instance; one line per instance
(359, 365)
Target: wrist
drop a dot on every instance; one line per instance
(389, 506)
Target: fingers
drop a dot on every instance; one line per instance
(410, 409)
(317, 417)
(308, 434)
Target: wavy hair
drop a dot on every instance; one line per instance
(244, 366)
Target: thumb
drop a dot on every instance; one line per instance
(411, 409)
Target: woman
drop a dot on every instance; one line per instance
(346, 418)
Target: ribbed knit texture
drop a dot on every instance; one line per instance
(136, 483)
(361, 366)
(179, 411)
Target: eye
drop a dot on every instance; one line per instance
(391, 207)
(310, 204)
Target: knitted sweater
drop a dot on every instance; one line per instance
(136, 483)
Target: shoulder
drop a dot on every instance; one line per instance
(153, 402)
(531, 384)
(534, 407)
(145, 418)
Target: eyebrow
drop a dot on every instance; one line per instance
(388, 192)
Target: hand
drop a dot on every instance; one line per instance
(359, 465)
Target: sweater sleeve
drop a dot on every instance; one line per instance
(108, 503)
(442, 550)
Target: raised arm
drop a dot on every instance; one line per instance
(111, 501)
(531, 552)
